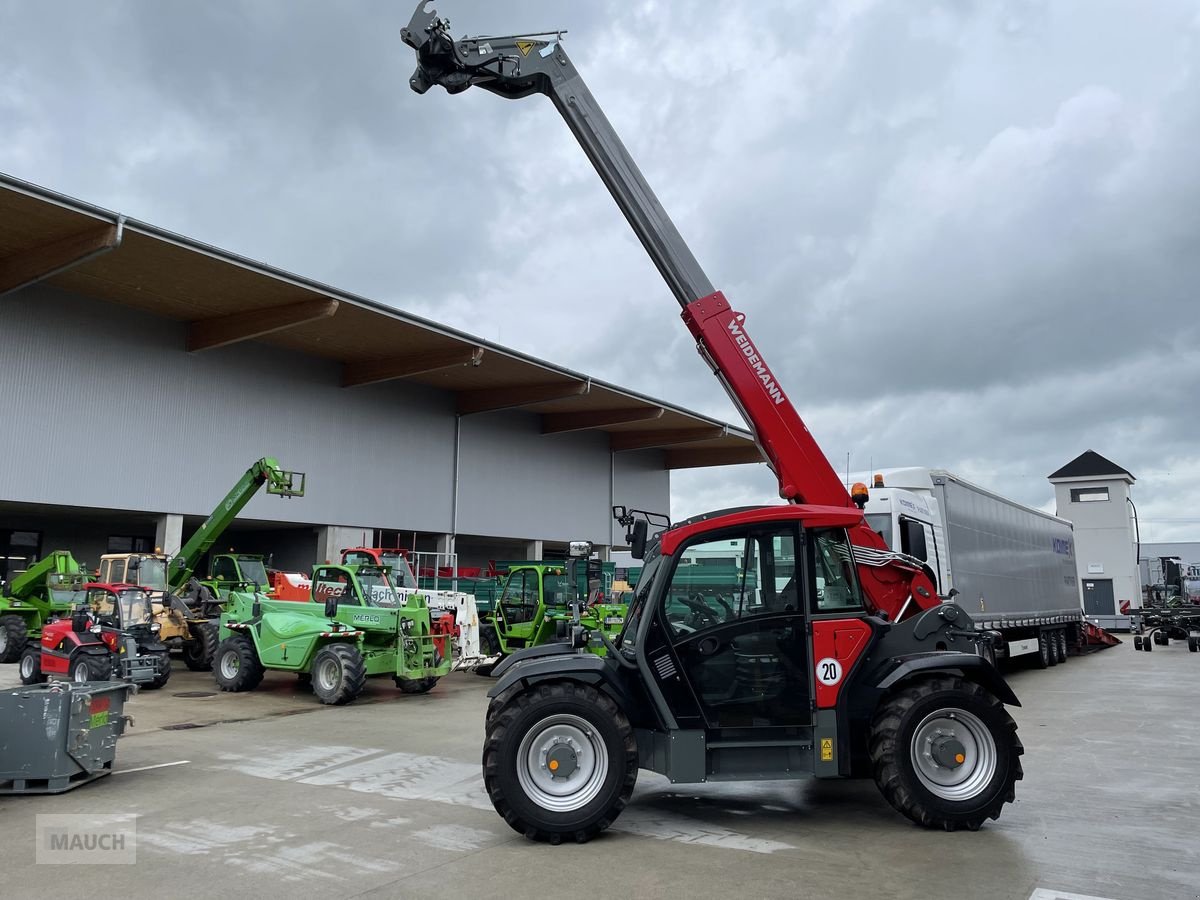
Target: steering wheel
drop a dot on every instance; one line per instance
(702, 616)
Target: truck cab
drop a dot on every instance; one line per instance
(901, 507)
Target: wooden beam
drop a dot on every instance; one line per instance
(557, 423)
(641, 440)
(525, 395)
(374, 370)
(30, 266)
(699, 457)
(219, 331)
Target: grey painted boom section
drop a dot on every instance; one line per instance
(104, 408)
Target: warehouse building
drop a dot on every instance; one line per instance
(144, 372)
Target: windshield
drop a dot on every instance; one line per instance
(402, 573)
(135, 606)
(556, 590)
(65, 590)
(640, 597)
(881, 522)
(253, 572)
(152, 573)
(377, 590)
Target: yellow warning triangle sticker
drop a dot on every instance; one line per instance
(526, 46)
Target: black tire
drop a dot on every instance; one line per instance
(1147, 644)
(1137, 642)
(489, 641)
(236, 666)
(1042, 660)
(1193, 644)
(338, 674)
(14, 635)
(89, 667)
(416, 685)
(908, 713)
(29, 666)
(199, 651)
(608, 749)
(164, 669)
(1060, 645)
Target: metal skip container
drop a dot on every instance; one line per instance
(54, 737)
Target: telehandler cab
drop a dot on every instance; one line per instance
(832, 656)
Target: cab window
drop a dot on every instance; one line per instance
(837, 587)
(224, 569)
(520, 599)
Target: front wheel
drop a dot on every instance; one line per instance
(338, 674)
(236, 665)
(164, 669)
(30, 666)
(86, 667)
(416, 685)
(559, 761)
(14, 634)
(945, 753)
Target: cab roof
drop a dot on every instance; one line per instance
(809, 516)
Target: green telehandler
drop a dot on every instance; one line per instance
(541, 603)
(355, 625)
(186, 609)
(48, 589)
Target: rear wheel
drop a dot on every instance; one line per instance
(86, 667)
(14, 634)
(198, 652)
(30, 666)
(164, 669)
(945, 753)
(1147, 643)
(236, 665)
(338, 674)
(1193, 643)
(559, 761)
(1060, 645)
(1042, 660)
(1137, 642)
(489, 641)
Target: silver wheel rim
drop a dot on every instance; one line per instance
(230, 664)
(328, 674)
(558, 734)
(81, 669)
(27, 667)
(974, 774)
(3, 639)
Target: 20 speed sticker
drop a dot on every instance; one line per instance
(829, 671)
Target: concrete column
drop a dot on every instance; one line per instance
(333, 539)
(533, 549)
(168, 533)
(445, 543)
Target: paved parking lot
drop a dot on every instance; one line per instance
(268, 794)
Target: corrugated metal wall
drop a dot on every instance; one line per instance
(102, 407)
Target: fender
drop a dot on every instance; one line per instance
(556, 648)
(570, 665)
(973, 668)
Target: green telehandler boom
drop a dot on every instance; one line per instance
(48, 588)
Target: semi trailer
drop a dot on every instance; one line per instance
(1012, 567)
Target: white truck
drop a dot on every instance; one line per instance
(1012, 567)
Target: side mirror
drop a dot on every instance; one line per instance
(581, 549)
(331, 605)
(637, 539)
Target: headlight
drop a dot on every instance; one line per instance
(155, 627)
(96, 629)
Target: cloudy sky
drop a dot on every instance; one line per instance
(965, 234)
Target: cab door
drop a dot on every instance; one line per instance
(734, 621)
(520, 606)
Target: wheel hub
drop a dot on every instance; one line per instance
(229, 665)
(947, 751)
(562, 763)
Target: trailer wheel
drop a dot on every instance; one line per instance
(1193, 643)
(1137, 642)
(236, 666)
(416, 685)
(164, 669)
(559, 761)
(1042, 660)
(88, 667)
(30, 666)
(14, 634)
(1147, 644)
(945, 753)
(198, 652)
(338, 674)
(1060, 644)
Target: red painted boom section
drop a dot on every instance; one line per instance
(805, 475)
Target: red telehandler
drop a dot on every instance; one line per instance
(830, 655)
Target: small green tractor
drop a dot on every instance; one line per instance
(355, 626)
(47, 590)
